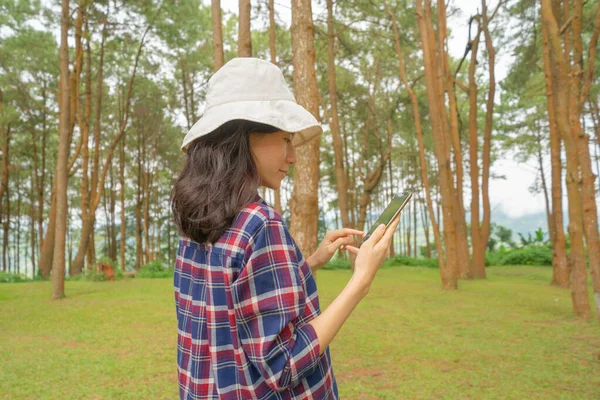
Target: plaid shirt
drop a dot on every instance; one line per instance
(243, 307)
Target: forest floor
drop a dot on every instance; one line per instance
(511, 336)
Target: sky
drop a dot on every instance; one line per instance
(511, 194)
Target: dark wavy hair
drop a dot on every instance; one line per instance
(219, 177)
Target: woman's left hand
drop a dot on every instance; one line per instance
(333, 240)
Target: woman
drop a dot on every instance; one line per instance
(249, 322)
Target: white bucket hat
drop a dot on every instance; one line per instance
(253, 90)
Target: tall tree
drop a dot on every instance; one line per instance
(416, 113)
(273, 54)
(97, 187)
(334, 124)
(244, 34)
(304, 202)
(217, 34)
(560, 268)
(576, 258)
(435, 94)
(58, 261)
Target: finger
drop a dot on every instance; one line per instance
(345, 232)
(352, 249)
(341, 242)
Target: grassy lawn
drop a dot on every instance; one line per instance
(509, 337)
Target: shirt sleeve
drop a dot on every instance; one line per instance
(269, 298)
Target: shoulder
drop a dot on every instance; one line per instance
(255, 216)
(250, 225)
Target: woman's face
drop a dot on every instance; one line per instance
(273, 153)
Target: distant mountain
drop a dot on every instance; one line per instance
(524, 224)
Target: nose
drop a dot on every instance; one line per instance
(291, 154)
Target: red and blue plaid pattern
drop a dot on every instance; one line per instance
(243, 307)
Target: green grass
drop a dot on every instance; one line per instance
(509, 337)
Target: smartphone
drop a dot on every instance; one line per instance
(391, 211)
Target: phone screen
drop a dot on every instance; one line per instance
(391, 211)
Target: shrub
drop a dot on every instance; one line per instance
(155, 269)
(9, 277)
(530, 255)
(411, 262)
(338, 263)
(88, 275)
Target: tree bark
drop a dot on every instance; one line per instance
(451, 126)
(576, 258)
(244, 33)
(449, 274)
(217, 34)
(58, 260)
(340, 176)
(560, 269)
(273, 53)
(304, 200)
(98, 185)
(477, 242)
(84, 127)
(419, 131)
(122, 198)
(579, 90)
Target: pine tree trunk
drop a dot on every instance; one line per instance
(217, 34)
(6, 227)
(576, 258)
(84, 127)
(560, 270)
(138, 205)
(304, 200)
(392, 253)
(419, 131)
(41, 184)
(244, 34)
(58, 260)
(273, 53)
(122, 198)
(448, 272)
(588, 192)
(478, 265)
(47, 249)
(487, 136)
(32, 197)
(463, 260)
(340, 176)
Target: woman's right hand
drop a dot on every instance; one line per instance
(372, 254)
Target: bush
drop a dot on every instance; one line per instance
(530, 255)
(338, 263)
(155, 269)
(9, 277)
(89, 275)
(411, 262)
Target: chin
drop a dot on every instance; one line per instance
(271, 186)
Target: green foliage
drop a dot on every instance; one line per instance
(411, 262)
(499, 236)
(9, 277)
(155, 269)
(530, 255)
(536, 239)
(88, 276)
(337, 263)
